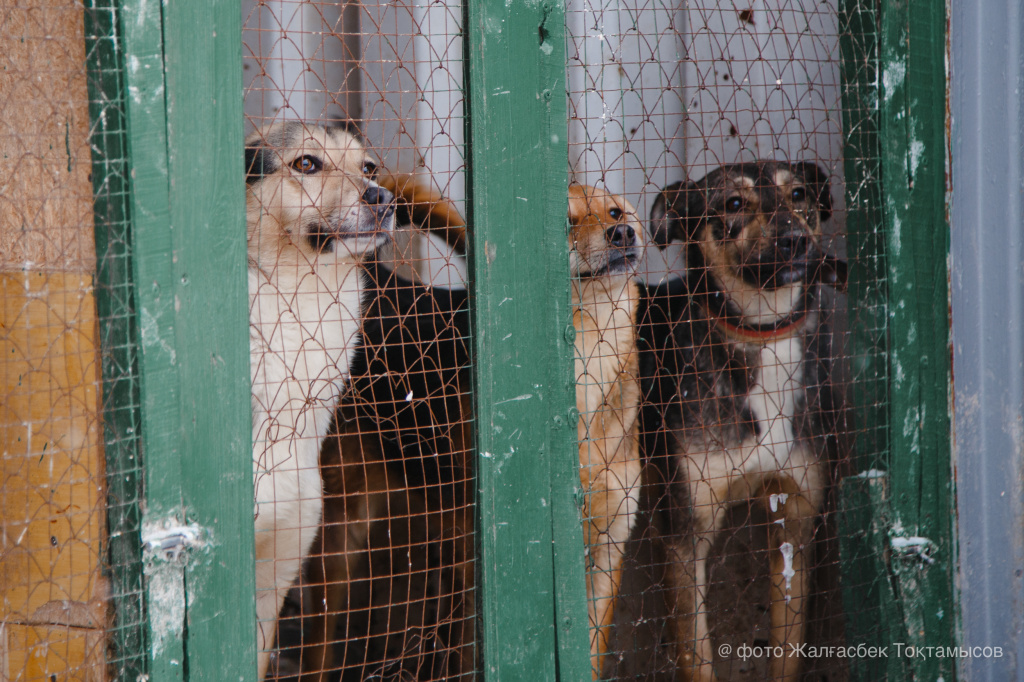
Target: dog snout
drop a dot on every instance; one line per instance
(381, 200)
(621, 236)
(792, 245)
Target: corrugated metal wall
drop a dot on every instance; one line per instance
(987, 103)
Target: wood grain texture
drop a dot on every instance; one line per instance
(52, 504)
(914, 164)
(895, 90)
(38, 653)
(44, 139)
(533, 596)
(184, 114)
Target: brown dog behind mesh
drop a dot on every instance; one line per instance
(389, 588)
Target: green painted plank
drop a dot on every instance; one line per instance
(876, 619)
(868, 291)
(187, 207)
(152, 249)
(868, 599)
(118, 336)
(203, 58)
(894, 97)
(914, 144)
(533, 603)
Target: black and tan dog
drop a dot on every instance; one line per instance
(390, 580)
(605, 242)
(734, 391)
(414, 345)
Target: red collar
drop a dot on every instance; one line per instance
(783, 329)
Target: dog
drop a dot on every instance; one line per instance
(391, 575)
(414, 344)
(736, 396)
(313, 213)
(605, 242)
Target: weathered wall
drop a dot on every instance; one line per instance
(51, 472)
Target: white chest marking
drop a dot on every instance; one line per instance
(773, 402)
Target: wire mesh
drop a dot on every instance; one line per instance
(722, 556)
(373, 93)
(714, 368)
(67, 476)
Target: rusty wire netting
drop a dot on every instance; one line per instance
(388, 589)
(67, 482)
(689, 564)
(743, 425)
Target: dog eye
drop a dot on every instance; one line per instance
(370, 169)
(799, 194)
(734, 204)
(307, 164)
(615, 213)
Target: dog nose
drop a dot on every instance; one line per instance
(792, 245)
(380, 200)
(621, 236)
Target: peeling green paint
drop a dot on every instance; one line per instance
(905, 249)
(168, 546)
(185, 102)
(531, 587)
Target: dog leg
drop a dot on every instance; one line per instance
(336, 556)
(318, 626)
(273, 578)
(792, 535)
(285, 530)
(704, 657)
(694, 655)
(689, 621)
(610, 511)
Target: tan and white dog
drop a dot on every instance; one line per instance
(605, 242)
(313, 211)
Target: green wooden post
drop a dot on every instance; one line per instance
(914, 144)
(896, 517)
(203, 55)
(872, 615)
(532, 590)
(184, 128)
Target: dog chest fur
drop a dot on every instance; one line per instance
(603, 312)
(774, 399)
(301, 335)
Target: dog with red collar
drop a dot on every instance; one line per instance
(735, 394)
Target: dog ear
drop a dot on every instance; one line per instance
(676, 213)
(420, 205)
(258, 163)
(816, 178)
(579, 207)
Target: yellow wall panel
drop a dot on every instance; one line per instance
(52, 504)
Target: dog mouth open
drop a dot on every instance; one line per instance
(784, 265)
